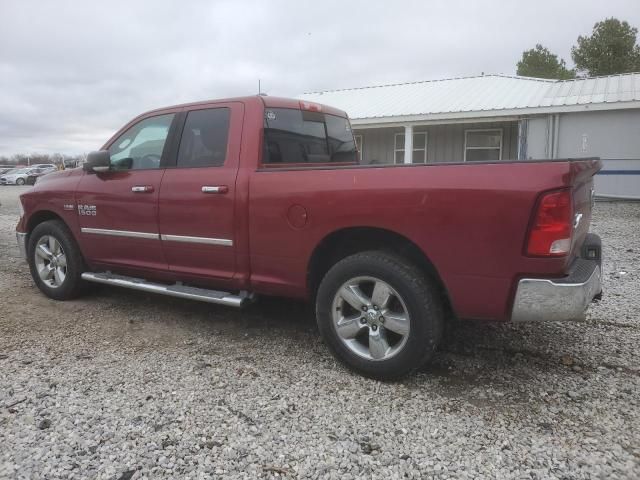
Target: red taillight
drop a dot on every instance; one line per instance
(550, 233)
(310, 106)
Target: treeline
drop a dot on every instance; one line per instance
(610, 49)
(58, 159)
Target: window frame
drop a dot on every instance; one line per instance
(424, 149)
(476, 130)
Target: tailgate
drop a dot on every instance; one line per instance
(581, 183)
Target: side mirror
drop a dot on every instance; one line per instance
(99, 161)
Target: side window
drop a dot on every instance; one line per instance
(141, 146)
(204, 138)
(342, 146)
(299, 136)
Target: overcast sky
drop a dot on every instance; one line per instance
(72, 73)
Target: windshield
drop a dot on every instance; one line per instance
(299, 136)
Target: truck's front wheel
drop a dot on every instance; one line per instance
(379, 314)
(55, 260)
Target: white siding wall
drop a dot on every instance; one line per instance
(614, 136)
(445, 143)
(537, 138)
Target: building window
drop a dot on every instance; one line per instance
(419, 148)
(359, 139)
(482, 145)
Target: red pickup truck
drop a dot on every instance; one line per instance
(224, 200)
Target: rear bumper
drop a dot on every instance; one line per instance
(22, 243)
(540, 299)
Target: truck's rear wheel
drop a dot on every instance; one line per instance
(379, 314)
(55, 261)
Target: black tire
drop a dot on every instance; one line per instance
(420, 295)
(20, 181)
(73, 285)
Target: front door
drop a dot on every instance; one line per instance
(197, 195)
(118, 209)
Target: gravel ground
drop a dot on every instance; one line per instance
(121, 384)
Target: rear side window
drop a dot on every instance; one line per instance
(204, 138)
(299, 136)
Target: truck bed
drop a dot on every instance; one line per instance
(471, 221)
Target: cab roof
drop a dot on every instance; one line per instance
(267, 101)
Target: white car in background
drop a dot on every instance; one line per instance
(19, 176)
(48, 167)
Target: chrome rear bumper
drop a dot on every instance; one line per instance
(539, 299)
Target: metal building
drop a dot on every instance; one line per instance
(500, 117)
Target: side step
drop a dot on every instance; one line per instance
(177, 290)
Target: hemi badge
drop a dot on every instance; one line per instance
(69, 206)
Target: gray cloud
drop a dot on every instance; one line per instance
(71, 73)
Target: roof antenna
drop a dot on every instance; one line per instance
(260, 90)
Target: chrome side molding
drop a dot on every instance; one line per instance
(177, 290)
(120, 233)
(225, 242)
(187, 239)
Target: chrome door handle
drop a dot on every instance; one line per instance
(215, 189)
(142, 189)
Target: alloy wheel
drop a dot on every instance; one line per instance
(51, 261)
(370, 318)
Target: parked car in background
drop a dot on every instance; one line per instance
(19, 176)
(225, 200)
(36, 173)
(5, 169)
(49, 167)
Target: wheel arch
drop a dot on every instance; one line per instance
(348, 241)
(42, 216)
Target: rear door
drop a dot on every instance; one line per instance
(196, 209)
(118, 209)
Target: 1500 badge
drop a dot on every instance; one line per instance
(87, 210)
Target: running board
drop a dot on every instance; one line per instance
(178, 290)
